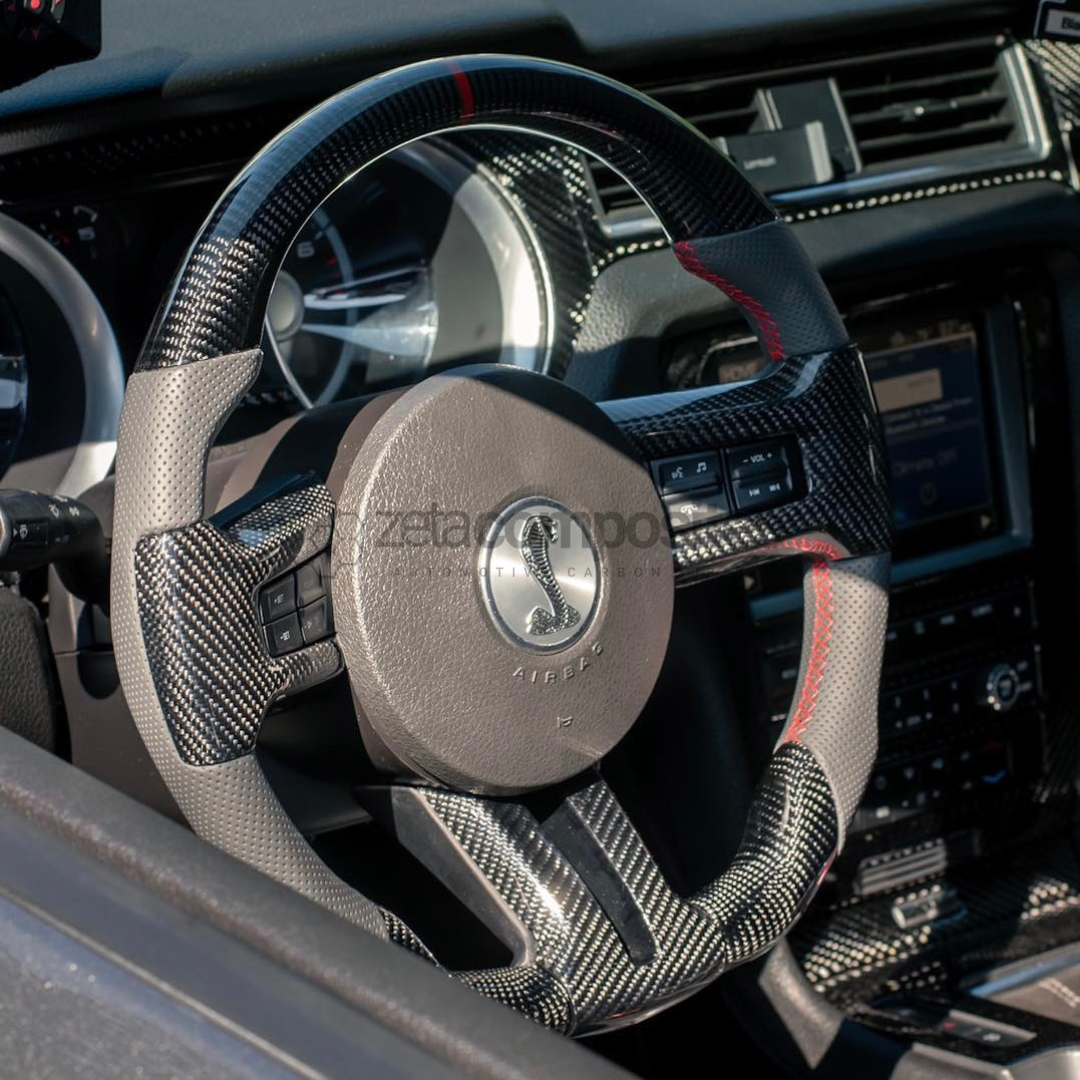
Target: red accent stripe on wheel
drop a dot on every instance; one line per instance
(821, 636)
(766, 324)
(468, 102)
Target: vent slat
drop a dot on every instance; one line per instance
(891, 147)
(928, 85)
(914, 112)
(907, 109)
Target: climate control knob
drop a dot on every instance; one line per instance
(1002, 687)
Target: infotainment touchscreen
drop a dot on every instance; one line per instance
(930, 396)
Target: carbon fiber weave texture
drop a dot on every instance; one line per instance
(216, 305)
(1060, 66)
(1016, 905)
(826, 401)
(197, 591)
(581, 976)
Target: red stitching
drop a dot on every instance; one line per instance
(819, 654)
(770, 332)
(465, 92)
(805, 546)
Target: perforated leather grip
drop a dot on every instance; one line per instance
(834, 712)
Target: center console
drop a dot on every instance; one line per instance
(958, 859)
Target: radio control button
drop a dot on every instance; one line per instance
(762, 493)
(763, 459)
(1003, 687)
(948, 621)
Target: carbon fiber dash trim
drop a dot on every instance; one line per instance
(1060, 66)
(581, 977)
(1015, 906)
(196, 589)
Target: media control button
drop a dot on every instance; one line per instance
(762, 493)
(688, 473)
(278, 599)
(315, 621)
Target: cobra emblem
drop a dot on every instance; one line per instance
(539, 533)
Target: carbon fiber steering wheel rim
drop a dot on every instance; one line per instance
(192, 660)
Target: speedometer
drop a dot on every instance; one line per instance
(412, 267)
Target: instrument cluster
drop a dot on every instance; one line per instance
(420, 263)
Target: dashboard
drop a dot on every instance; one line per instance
(931, 176)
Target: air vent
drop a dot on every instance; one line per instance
(716, 107)
(891, 120)
(957, 102)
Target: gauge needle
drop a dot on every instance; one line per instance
(370, 290)
(406, 340)
(316, 301)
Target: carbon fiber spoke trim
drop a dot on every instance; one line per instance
(196, 590)
(582, 976)
(825, 400)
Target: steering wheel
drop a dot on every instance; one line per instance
(530, 653)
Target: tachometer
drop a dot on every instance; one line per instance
(414, 266)
(326, 318)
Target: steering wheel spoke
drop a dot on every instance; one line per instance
(791, 463)
(597, 931)
(211, 642)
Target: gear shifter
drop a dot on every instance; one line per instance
(37, 530)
